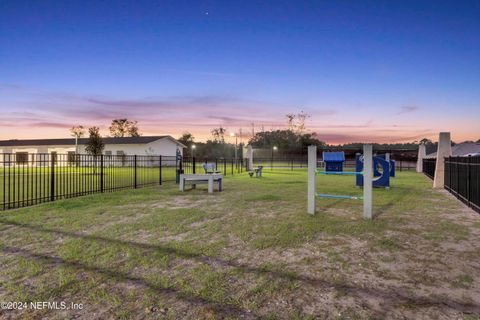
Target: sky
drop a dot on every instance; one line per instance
(366, 71)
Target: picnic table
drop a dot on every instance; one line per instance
(194, 179)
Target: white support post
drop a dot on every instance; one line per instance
(444, 150)
(422, 153)
(312, 179)
(367, 181)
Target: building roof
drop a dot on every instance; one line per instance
(334, 156)
(461, 149)
(82, 141)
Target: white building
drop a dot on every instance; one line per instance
(23, 150)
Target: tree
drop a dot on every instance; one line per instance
(284, 139)
(77, 132)
(309, 139)
(218, 134)
(296, 122)
(426, 141)
(291, 121)
(124, 128)
(301, 119)
(187, 139)
(95, 143)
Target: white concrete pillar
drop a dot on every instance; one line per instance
(312, 179)
(250, 157)
(444, 150)
(421, 155)
(367, 180)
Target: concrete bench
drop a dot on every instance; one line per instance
(257, 171)
(195, 179)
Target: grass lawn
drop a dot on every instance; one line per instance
(249, 252)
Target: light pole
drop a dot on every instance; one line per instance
(273, 149)
(232, 134)
(193, 150)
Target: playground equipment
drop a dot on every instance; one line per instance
(367, 175)
(333, 161)
(178, 165)
(383, 178)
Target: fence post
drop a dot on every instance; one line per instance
(4, 180)
(232, 166)
(458, 177)
(101, 173)
(135, 169)
(225, 166)
(468, 181)
(52, 177)
(160, 170)
(194, 165)
(216, 164)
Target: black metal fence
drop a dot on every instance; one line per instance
(224, 165)
(27, 179)
(302, 163)
(462, 179)
(429, 167)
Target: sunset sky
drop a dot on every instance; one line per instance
(365, 71)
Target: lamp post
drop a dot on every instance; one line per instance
(232, 134)
(193, 150)
(273, 149)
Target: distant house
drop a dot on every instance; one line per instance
(461, 150)
(145, 145)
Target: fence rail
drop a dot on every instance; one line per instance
(28, 179)
(31, 178)
(429, 167)
(462, 179)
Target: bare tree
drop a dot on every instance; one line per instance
(77, 132)
(297, 122)
(291, 121)
(301, 119)
(219, 134)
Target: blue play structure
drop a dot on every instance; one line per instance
(376, 173)
(334, 161)
(383, 177)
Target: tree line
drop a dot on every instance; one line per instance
(295, 138)
(95, 145)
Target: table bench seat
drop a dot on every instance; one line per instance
(194, 179)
